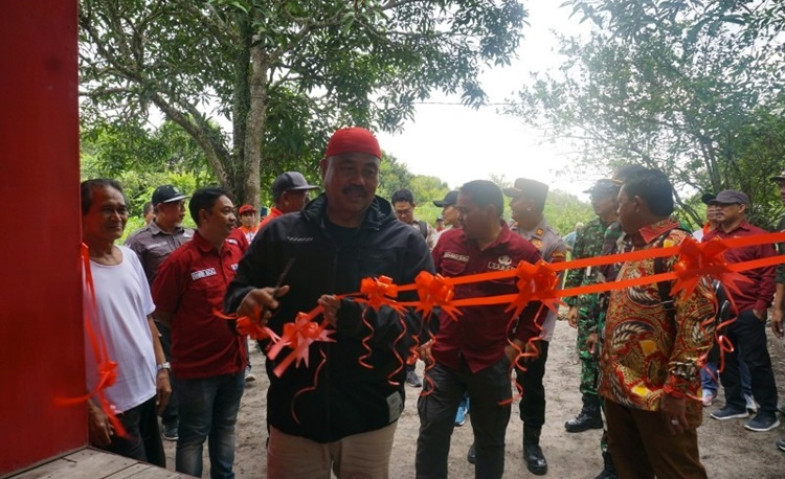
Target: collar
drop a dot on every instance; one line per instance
(538, 231)
(653, 231)
(204, 245)
(744, 225)
(156, 230)
(275, 212)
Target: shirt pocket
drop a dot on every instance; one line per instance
(452, 267)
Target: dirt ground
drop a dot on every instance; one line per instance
(727, 449)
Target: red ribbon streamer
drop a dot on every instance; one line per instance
(106, 368)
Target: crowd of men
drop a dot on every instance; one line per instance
(648, 358)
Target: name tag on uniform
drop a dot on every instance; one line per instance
(203, 273)
(457, 257)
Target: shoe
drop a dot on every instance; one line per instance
(584, 421)
(413, 380)
(781, 444)
(249, 377)
(608, 469)
(460, 416)
(762, 422)
(607, 474)
(170, 433)
(728, 412)
(752, 406)
(708, 397)
(471, 456)
(535, 460)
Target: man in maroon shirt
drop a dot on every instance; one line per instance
(473, 353)
(748, 332)
(208, 359)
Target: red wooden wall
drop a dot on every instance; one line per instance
(41, 338)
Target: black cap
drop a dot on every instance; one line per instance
(730, 197)
(708, 198)
(449, 199)
(290, 181)
(604, 186)
(533, 189)
(167, 194)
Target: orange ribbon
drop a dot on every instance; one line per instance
(536, 282)
(700, 259)
(380, 292)
(246, 326)
(299, 336)
(435, 291)
(106, 368)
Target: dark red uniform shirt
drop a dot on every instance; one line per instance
(758, 293)
(190, 286)
(480, 334)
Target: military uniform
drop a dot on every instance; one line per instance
(589, 242)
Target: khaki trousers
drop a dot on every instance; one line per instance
(365, 455)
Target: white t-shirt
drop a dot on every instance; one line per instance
(123, 303)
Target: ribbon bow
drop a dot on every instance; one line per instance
(299, 335)
(247, 326)
(435, 291)
(700, 259)
(380, 291)
(536, 282)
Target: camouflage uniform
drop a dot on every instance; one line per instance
(589, 242)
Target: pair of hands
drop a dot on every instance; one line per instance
(260, 304)
(100, 429)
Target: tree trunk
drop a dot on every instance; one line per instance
(240, 105)
(255, 124)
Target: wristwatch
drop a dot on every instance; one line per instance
(162, 366)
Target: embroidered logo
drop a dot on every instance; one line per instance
(203, 273)
(502, 264)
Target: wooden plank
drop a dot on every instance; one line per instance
(95, 464)
(146, 471)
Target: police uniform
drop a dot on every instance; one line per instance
(552, 250)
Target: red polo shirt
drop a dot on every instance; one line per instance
(480, 334)
(274, 213)
(758, 293)
(190, 286)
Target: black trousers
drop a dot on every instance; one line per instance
(144, 439)
(748, 336)
(169, 416)
(487, 388)
(532, 406)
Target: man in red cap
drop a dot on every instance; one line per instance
(290, 193)
(336, 412)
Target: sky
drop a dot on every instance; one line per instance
(459, 144)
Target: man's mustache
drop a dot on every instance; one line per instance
(354, 189)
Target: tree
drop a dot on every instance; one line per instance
(680, 86)
(259, 84)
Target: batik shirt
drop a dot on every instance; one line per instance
(646, 352)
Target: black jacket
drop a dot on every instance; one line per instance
(348, 398)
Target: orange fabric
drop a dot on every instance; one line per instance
(107, 369)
